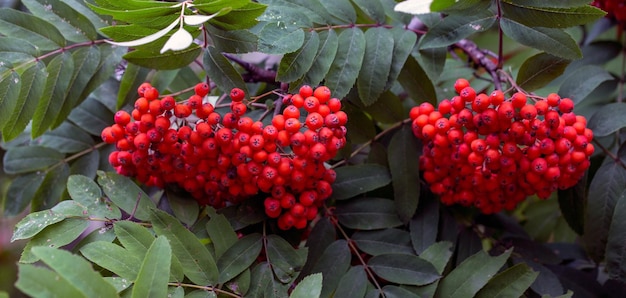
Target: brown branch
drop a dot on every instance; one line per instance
(253, 73)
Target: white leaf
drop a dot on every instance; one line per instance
(180, 40)
(414, 6)
(194, 20)
(147, 39)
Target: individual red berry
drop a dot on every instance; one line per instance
(122, 117)
(151, 93)
(306, 91)
(460, 84)
(553, 99)
(202, 89)
(322, 93)
(566, 105)
(237, 95)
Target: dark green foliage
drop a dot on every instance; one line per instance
(382, 232)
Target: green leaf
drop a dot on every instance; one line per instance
(285, 260)
(395, 291)
(152, 278)
(354, 180)
(104, 234)
(75, 270)
(167, 60)
(239, 257)
(131, 79)
(240, 284)
(353, 283)
(56, 235)
(294, 65)
(114, 258)
(438, 254)
(110, 58)
(552, 3)
(454, 28)
(373, 9)
(233, 41)
(333, 264)
(66, 138)
(553, 41)
(378, 54)
(126, 194)
(606, 188)
(91, 16)
(387, 109)
(539, 70)
(240, 18)
(416, 82)
(185, 209)
(572, 203)
(52, 187)
(35, 222)
(25, 26)
(37, 281)
(321, 236)
(341, 9)
(310, 286)
(21, 192)
(92, 116)
(607, 120)
(403, 43)
(10, 46)
(130, 15)
(134, 237)
(86, 62)
(198, 263)
(263, 283)
(222, 72)
(551, 17)
(361, 127)
(463, 282)
(86, 165)
(385, 241)
(583, 81)
(59, 73)
(285, 12)
(345, 68)
(20, 160)
(403, 157)
(403, 269)
(424, 226)
(10, 87)
(73, 25)
(324, 57)
(616, 242)
(511, 282)
(120, 284)
(221, 232)
(368, 214)
(280, 38)
(31, 89)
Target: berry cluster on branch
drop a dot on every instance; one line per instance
(225, 159)
(615, 9)
(490, 152)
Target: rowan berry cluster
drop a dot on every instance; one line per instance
(492, 153)
(615, 9)
(225, 159)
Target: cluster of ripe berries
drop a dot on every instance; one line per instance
(225, 159)
(492, 153)
(615, 9)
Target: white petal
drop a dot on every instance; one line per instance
(180, 40)
(146, 39)
(194, 20)
(414, 6)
